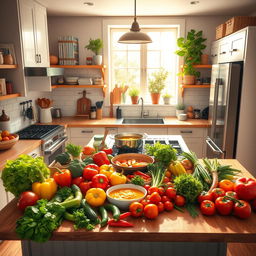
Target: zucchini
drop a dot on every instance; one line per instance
(90, 213)
(104, 216)
(114, 209)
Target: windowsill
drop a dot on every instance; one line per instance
(145, 105)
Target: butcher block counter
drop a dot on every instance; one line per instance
(168, 227)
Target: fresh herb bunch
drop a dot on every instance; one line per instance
(138, 180)
(74, 150)
(81, 220)
(162, 153)
(188, 186)
(19, 174)
(157, 172)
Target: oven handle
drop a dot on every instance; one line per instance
(56, 145)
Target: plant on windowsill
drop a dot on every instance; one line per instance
(167, 97)
(180, 109)
(134, 94)
(191, 49)
(157, 84)
(95, 45)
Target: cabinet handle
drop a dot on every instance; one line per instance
(39, 58)
(34, 155)
(36, 58)
(186, 131)
(86, 131)
(234, 50)
(223, 53)
(214, 55)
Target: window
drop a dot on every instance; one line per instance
(134, 64)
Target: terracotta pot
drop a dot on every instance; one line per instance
(54, 60)
(155, 97)
(134, 99)
(204, 59)
(188, 79)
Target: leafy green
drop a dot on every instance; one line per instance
(188, 186)
(63, 158)
(157, 171)
(19, 174)
(138, 180)
(62, 194)
(162, 153)
(74, 150)
(81, 220)
(76, 168)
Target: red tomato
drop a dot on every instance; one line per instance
(152, 190)
(77, 180)
(217, 192)
(147, 187)
(27, 198)
(155, 198)
(169, 184)
(231, 194)
(151, 211)
(145, 201)
(136, 209)
(168, 206)
(171, 193)
(161, 191)
(223, 205)
(180, 200)
(165, 198)
(84, 186)
(245, 188)
(100, 181)
(207, 207)
(160, 206)
(89, 172)
(205, 196)
(88, 150)
(242, 209)
(166, 179)
(226, 185)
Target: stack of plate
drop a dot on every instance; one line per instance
(71, 80)
(85, 81)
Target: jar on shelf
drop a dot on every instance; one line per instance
(93, 113)
(197, 113)
(89, 61)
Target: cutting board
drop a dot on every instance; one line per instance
(117, 95)
(83, 106)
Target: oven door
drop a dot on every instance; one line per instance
(54, 150)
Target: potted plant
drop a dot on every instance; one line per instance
(95, 46)
(167, 98)
(157, 84)
(191, 49)
(180, 109)
(134, 94)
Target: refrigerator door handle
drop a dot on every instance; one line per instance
(213, 146)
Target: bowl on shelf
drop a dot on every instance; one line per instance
(71, 79)
(9, 143)
(135, 193)
(141, 158)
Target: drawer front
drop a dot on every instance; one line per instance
(85, 132)
(196, 145)
(224, 53)
(80, 141)
(237, 46)
(187, 132)
(150, 131)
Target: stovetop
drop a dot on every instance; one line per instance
(37, 132)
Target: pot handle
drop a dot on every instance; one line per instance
(145, 135)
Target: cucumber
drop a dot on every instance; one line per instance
(90, 213)
(114, 209)
(104, 216)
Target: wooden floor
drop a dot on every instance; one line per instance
(13, 248)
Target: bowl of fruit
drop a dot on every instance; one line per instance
(7, 140)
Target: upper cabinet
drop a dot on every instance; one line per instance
(34, 32)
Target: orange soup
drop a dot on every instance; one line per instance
(126, 193)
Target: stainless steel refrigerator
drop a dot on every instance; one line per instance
(224, 106)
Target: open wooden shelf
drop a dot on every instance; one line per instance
(78, 66)
(183, 87)
(8, 66)
(199, 66)
(9, 96)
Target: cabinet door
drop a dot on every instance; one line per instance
(224, 49)
(85, 132)
(27, 16)
(195, 145)
(41, 35)
(237, 46)
(214, 52)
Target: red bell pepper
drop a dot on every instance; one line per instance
(108, 151)
(90, 170)
(100, 181)
(245, 188)
(63, 178)
(100, 158)
(85, 186)
(119, 223)
(77, 180)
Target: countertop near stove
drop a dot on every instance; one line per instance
(21, 147)
(70, 121)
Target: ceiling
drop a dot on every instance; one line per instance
(148, 7)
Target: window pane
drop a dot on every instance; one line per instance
(115, 44)
(120, 76)
(153, 59)
(133, 77)
(119, 59)
(135, 47)
(156, 40)
(134, 59)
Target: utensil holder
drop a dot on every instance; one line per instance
(45, 115)
(99, 113)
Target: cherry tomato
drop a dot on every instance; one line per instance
(205, 196)
(151, 211)
(147, 187)
(180, 200)
(168, 206)
(145, 202)
(171, 193)
(27, 198)
(160, 206)
(161, 191)
(152, 190)
(207, 207)
(168, 174)
(231, 194)
(217, 192)
(165, 198)
(166, 180)
(77, 180)
(242, 209)
(223, 205)
(155, 198)
(136, 209)
(84, 186)
(226, 185)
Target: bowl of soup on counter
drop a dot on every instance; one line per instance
(123, 195)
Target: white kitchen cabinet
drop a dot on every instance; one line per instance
(34, 32)
(224, 48)
(237, 46)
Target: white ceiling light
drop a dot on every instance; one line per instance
(135, 36)
(194, 2)
(88, 3)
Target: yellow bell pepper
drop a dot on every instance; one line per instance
(107, 170)
(95, 197)
(46, 189)
(117, 178)
(176, 168)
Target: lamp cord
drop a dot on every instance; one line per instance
(135, 17)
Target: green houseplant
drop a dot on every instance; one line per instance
(134, 93)
(180, 108)
(95, 45)
(157, 84)
(166, 97)
(191, 49)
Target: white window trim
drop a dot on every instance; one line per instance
(107, 24)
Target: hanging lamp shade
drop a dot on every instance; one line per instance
(135, 36)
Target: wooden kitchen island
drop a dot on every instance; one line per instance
(173, 233)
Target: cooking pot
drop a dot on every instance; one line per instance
(129, 140)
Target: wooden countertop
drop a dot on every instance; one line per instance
(112, 122)
(170, 227)
(21, 147)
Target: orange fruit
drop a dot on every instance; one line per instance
(11, 137)
(5, 138)
(226, 185)
(5, 133)
(88, 150)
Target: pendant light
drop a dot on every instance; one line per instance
(135, 36)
